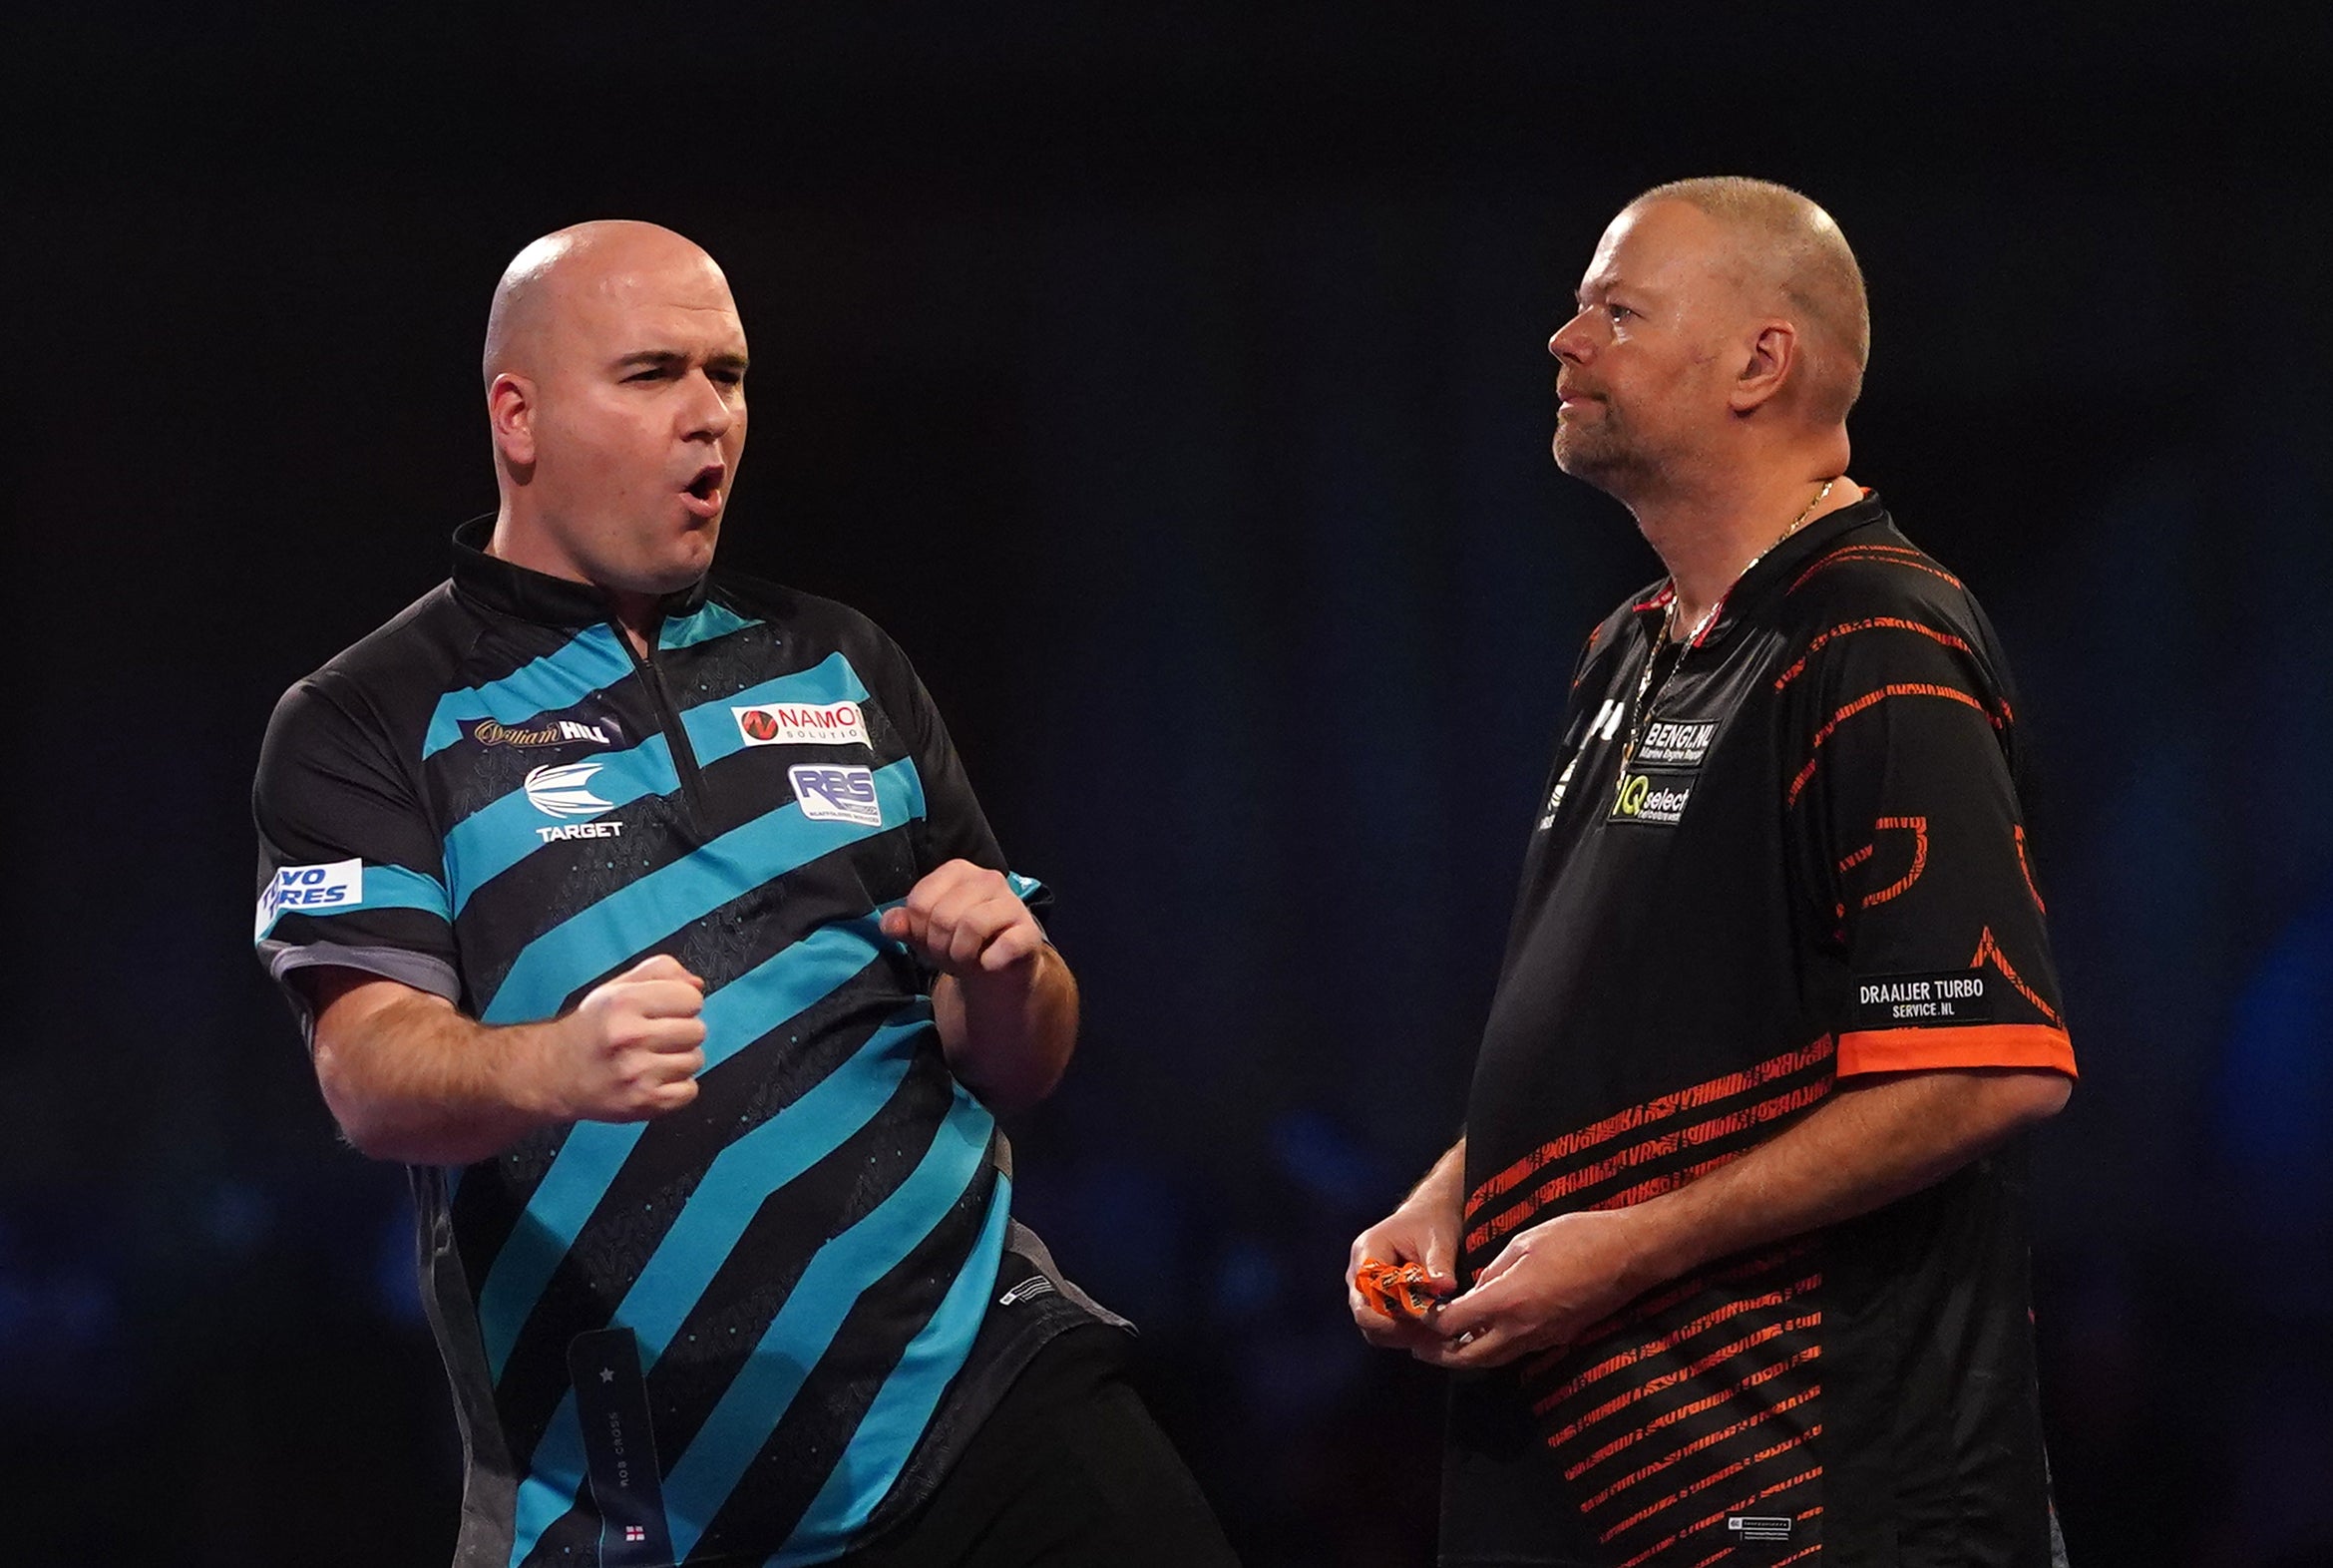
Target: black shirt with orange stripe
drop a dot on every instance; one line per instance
(1815, 868)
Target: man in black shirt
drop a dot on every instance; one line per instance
(647, 915)
(1735, 1226)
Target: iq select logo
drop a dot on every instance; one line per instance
(1656, 799)
(837, 794)
(312, 890)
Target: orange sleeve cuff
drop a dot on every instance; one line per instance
(1964, 1045)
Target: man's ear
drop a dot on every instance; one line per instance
(510, 411)
(1767, 365)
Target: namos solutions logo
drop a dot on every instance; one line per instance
(802, 724)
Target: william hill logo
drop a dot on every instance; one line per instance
(552, 732)
(1650, 798)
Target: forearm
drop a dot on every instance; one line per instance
(1442, 1189)
(1861, 1148)
(414, 1080)
(1010, 1035)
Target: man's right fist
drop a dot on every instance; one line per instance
(632, 1047)
(1422, 1232)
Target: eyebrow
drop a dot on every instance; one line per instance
(666, 359)
(1606, 289)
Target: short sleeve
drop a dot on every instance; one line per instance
(349, 869)
(954, 827)
(1904, 820)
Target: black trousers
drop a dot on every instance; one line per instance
(1068, 1472)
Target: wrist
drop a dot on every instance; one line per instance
(1662, 1241)
(531, 1082)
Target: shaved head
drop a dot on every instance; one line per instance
(614, 372)
(1789, 255)
(560, 272)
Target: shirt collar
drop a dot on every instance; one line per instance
(536, 596)
(1779, 564)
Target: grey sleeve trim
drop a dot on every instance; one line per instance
(1018, 1238)
(402, 964)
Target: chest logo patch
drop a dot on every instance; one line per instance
(563, 790)
(1658, 799)
(830, 794)
(802, 724)
(1677, 743)
(550, 732)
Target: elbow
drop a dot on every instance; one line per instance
(2027, 1099)
(359, 1126)
(1009, 1095)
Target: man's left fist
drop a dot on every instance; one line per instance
(965, 920)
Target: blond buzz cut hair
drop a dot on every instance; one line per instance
(1806, 260)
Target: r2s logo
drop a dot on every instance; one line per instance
(830, 794)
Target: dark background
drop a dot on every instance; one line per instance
(1172, 383)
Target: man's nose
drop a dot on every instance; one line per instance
(1571, 343)
(710, 411)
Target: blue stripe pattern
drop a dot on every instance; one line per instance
(495, 837)
(706, 1474)
(735, 1015)
(384, 888)
(879, 1448)
(647, 911)
(589, 661)
(553, 1478)
(711, 620)
(842, 1269)
(732, 1191)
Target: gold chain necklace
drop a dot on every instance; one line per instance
(1639, 709)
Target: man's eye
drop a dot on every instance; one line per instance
(645, 375)
(1618, 313)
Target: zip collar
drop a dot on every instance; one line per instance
(538, 596)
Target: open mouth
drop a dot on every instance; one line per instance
(702, 493)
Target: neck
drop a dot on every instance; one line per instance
(1708, 540)
(636, 615)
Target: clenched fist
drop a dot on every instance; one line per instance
(965, 920)
(632, 1047)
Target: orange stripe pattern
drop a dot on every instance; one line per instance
(1815, 645)
(1987, 947)
(2026, 865)
(1752, 1501)
(1638, 1116)
(1663, 1147)
(1871, 699)
(1883, 554)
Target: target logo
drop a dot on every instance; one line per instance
(802, 724)
(563, 790)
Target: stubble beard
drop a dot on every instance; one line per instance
(1605, 454)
